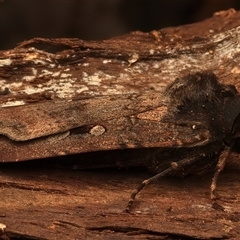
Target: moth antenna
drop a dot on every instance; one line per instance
(174, 165)
(220, 166)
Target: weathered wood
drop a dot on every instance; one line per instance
(41, 203)
(136, 63)
(45, 203)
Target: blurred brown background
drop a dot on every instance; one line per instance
(98, 19)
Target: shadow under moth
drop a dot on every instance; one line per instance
(191, 127)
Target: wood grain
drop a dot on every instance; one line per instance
(43, 203)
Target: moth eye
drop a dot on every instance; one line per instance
(229, 91)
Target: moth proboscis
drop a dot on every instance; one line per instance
(196, 101)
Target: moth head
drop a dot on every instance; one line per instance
(197, 88)
(200, 97)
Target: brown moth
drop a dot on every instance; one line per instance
(191, 127)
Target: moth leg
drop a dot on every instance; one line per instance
(220, 165)
(174, 166)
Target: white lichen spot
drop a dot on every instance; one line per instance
(13, 86)
(28, 78)
(172, 64)
(31, 56)
(97, 130)
(31, 49)
(156, 65)
(85, 64)
(133, 58)
(38, 61)
(66, 70)
(151, 51)
(82, 89)
(46, 72)
(235, 70)
(2, 226)
(63, 91)
(123, 63)
(56, 74)
(52, 65)
(124, 76)
(34, 71)
(112, 91)
(13, 103)
(206, 207)
(105, 61)
(85, 74)
(31, 90)
(96, 78)
(5, 62)
(174, 165)
(136, 67)
(65, 75)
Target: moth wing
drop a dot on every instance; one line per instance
(95, 124)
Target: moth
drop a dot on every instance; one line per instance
(198, 101)
(191, 127)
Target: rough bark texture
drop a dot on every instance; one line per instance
(44, 203)
(40, 203)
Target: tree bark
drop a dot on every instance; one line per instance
(49, 203)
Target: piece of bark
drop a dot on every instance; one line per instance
(137, 63)
(40, 203)
(53, 204)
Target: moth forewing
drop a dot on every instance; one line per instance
(78, 136)
(31, 121)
